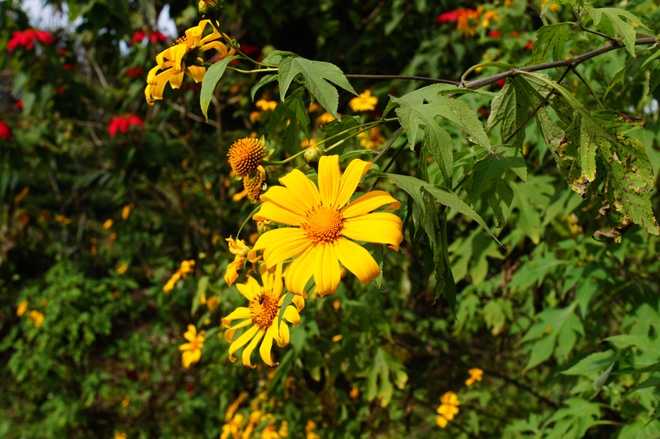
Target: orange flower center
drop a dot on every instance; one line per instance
(264, 309)
(245, 156)
(323, 225)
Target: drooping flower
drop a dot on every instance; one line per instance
(192, 351)
(364, 102)
(475, 375)
(241, 252)
(185, 58)
(448, 409)
(27, 38)
(245, 155)
(325, 226)
(262, 315)
(5, 131)
(123, 123)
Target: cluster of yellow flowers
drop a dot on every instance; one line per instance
(36, 317)
(240, 426)
(449, 401)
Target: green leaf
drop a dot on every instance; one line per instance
(292, 116)
(608, 21)
(211, 78)
(267, 79)
(593, 364)
(550, 40)
(552, 324)
(317, 76)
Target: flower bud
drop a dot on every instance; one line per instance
(209, 8)
(312, 156)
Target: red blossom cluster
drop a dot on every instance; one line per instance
(456, 14)
(26, 39)
(123, 123)
(134, 72)
(154, 37)
(5, 131)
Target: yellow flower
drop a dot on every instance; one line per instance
(184, 57)
(36, 317)
(241, 252)
(309, 433)
(120, 435)
(126, 401)
(354, 393)
(364, 102)
(186, 267)
(192, 351)
(245, 155)
(325, 225)
(448, 409)
(262, 313)
(450, 398)
(62, 219)
(169, 285)
(306, 143)
(488, 16)
(284, 429)
(270, 432)
(108, 224)
(122, 268)
(22, 307)
(371, 139)
(441, 421)
(265, 105)
(231, 410)
(126, 211)
(327, 117)
(475, 375)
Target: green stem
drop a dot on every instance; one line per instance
(585, 82)
(501, 65)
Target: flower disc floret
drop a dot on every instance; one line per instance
(325, 226)
(245, 155)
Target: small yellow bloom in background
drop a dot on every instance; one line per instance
(36, 317)
(262, 315)
(126, 401)
(553, 7)
(450, 398)
(120, 435)
(62, 219)
(371, 139)
(475, 375)
(448, 409)
(22, 307)
(488, 17)
(307, 143)
(354, 393)
(192, 351)
(122, 268)
(241, 252)
(364, 102)
(266, 105)
(231, 410)
(441, 421)
(108, 224)
(309, 430)
(212, 303)
(337, 338)
(325, 118)
(126, 211)
(185, 58)
(22, 194)
(232, 429)
(186, 268)
(113, 237)
(325, 225)
(245, 155)
(336, 304)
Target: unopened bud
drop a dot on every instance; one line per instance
(209, 8)
(312, 156)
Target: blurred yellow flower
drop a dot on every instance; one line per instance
(241, 252)
(36, 317)
(266, 105)
(184, 57)
(364, 102)
(233, 428)
(122, 268)
(354, 393)
(448, 409)
(325, 225)
(22, 307)
(62, 219)
(126, 211)
(108, 224)
(262, 315)
(371, 139)
(120, 435)
(245, 155)
(475, 375)
(186, 267)
(126, 401)
(325, 118)
(192, 351)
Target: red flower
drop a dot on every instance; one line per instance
(154, 37)
(529, 45)
(18, 105)
(5, 131)
(501, 83)
(123, 123)
(26, 39)
(494, 33)
(134, 72)
(449, 17)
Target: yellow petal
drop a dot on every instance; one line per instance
(232, 270)
(242, 312)
(300, 270)
(177, 52)
(281, 244)
(247, 352)
(329, 179)
(350, 180)
(303, 188)
(377, 227)
(191, 333)
(196, 72)
(326, 273)
(280, 214)
(357, 260)
(176, 80)
(299, 302)
(229, 333)
(242, 341)
(368, 203)
(284, 336)
(219, 47)
(186, 347)
(291, 315)
(250, 289)
(267, 345)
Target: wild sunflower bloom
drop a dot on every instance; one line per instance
(192, 351)
(262, 313)
(475, 375)
(184, 57)
(245, 155)
(364, 102)
(325, 226)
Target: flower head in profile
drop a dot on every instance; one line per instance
(364, 102)
(325, 225)
(475, 375)
(192, 351)
(261, 317)
(27, 38)
(241, 252)
(184, 57)
(123, 123)
(245, 155)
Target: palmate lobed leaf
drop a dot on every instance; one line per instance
(550, 40)
(608, 21)
(318, 76)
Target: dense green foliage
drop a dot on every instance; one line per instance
(528, 181)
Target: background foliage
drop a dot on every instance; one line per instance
(553, 293)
